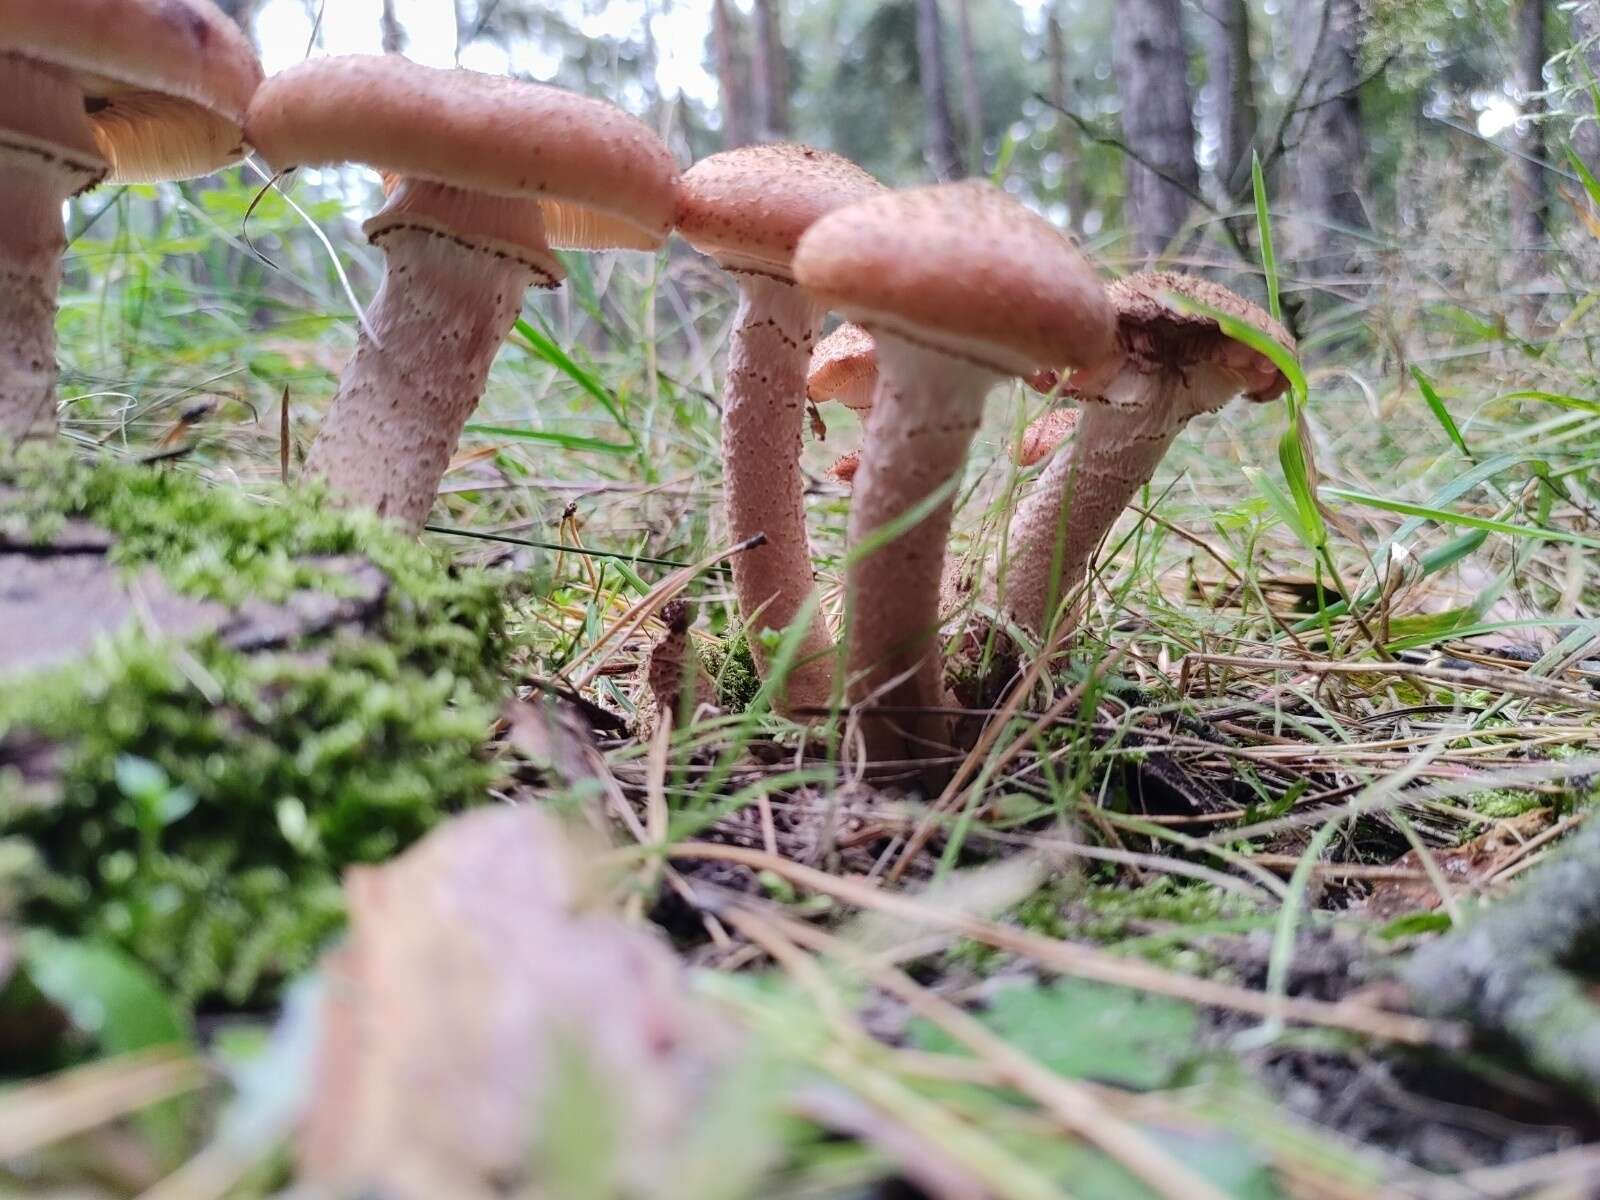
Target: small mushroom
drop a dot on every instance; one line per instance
(960, 286)
(1040, 438)
(844, 368)
(127, 90)
(747, 208)
(487, 174)
(1170, 366)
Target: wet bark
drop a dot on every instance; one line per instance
(942, 149)
(1069, 142)
(770, 72)
(971, 91)
(733, 90)
(1329, 147)
(1530, 197)
(1230, 91)
(1151, 57)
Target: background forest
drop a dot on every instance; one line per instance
(1334, 693)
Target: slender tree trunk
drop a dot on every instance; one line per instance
(1330, 150)
(393, 33)
(733, 94)
(971, 92)
(1151, 58)
(1530, 191)
(1069, 145)
(770, 71)
(1230, 90)
(943, 151)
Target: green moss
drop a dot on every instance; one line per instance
(733, 670)
(207, 801)
(1501, 803)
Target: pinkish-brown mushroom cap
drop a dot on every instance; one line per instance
(747, 208)
(165, 82)
(1045, 434)
(602, 179)
(963, 269)
(1154, 336)
(844, 367)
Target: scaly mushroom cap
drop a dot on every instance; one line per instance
(747, 208)
(963, 269)
(1045, 434)
(602, 179)
(165, 83)
(844, 367)
(1153, 337)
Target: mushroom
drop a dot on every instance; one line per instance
(488, 173)
(1040, 438)
(960, 286)
(747, 208)
(129, 90)
(844, 367)
(1170, 366)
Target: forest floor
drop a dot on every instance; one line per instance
(1150, 939)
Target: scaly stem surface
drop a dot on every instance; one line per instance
(440, 317)
(922, 423)
(1118, 444)
(763, 423)
(47, 154)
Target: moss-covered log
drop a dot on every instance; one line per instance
(211, 705)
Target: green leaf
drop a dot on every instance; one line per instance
(567, 441)
(104, 993)
(1269, 256)
(1590, 183)
(1447, 517)
(1440, 412)
(1088, 1031)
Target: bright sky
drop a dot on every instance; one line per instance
(351, 26)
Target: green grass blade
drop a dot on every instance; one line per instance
(567, 441)
(1269, 256)
(542, 346)
(1446, 517)
(1440, 412)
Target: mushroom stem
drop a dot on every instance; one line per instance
(1118, 444)
(47, 155)
(440, 317)
(920, 429)
(763, 425)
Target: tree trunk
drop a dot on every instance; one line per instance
(771, 72)
(1530, 192)
(1074, 184)
(943, 151)
(393, 33)
(1151, 62)
(971, 93)
(1329, 148)
(733, 94)
(1230, 91)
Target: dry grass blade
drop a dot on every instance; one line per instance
(1073, 1105)
(1086, 962)
(85, 1098)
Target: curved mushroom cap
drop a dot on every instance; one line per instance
(602, 178)
(844, 367)
(1154, 336)
(1041, 438)
(165, 82)
(845, 467)
(964, 269)
(747, 208)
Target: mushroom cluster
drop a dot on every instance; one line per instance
(94, 90)
(946, 291)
